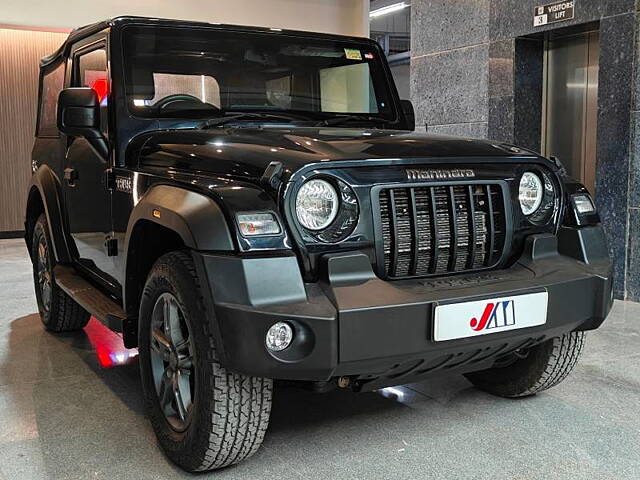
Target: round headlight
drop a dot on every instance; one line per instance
(531, 193)
(317, 204)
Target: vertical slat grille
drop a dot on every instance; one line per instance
(441, 229)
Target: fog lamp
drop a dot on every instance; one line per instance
(279, 336)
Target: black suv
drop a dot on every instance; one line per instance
(249, 204)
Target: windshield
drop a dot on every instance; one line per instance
(200, 73)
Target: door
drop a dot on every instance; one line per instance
(87, 198)
(571, 103)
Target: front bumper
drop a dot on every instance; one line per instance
(380, 333)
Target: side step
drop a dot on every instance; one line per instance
(95, 302)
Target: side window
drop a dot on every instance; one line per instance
(91, 71)
(52, 84)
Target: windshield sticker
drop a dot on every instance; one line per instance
(353, 54)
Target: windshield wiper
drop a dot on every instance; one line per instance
(219, 121)
(347, 118)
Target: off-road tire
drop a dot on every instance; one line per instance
(543, 367)
(230, 412)
(63, 314)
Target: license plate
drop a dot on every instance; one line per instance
(494, 315)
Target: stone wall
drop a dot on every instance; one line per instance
(476, 71)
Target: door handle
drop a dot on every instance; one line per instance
(70, 176)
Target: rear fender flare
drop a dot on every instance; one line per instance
(48, 186)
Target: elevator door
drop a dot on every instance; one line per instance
(571, 104)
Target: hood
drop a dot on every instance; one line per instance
(246, 151)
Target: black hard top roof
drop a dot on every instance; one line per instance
(88, 30)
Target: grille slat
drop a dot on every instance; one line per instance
(492, 227)
(472, 226)
(415, 248)
(394, 234)
(434, 230)
(454, 230)
(433, 264)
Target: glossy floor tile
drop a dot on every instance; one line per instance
(70, 407)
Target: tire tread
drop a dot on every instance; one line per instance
(238, 408)
(65, 314)
(547, 365)
(567, 349)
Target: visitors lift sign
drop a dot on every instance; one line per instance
(553, 12)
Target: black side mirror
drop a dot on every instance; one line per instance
(409, 114)
(79, 116)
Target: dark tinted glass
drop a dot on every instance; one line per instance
(52, 83)
(92, 72)
(195, 72)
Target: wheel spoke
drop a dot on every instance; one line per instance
(166, 317)
(42, 256)
(46, 297)
(185, 357)
(161, 344)
(184, 347)
(166, 393)
(172, 359)
(185, 364)
(172, 322)
(43, 275)
(182, 393)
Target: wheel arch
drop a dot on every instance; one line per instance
(169, 218)
(45, 196)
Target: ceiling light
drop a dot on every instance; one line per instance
(388, 9)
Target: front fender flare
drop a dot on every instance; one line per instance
(196, 218)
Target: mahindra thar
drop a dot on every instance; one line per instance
(247, 205)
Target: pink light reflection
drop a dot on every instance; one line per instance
(108, 345)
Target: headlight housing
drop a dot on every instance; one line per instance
(316, 204)
(327, 209)
(538, 197)
(530, 193)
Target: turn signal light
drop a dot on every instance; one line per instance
(256, 224)
(584, 204)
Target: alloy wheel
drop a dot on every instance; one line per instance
(172, 361)
(44, 275)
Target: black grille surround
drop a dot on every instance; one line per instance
(471, 231)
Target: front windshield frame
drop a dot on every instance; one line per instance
(381, 80)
